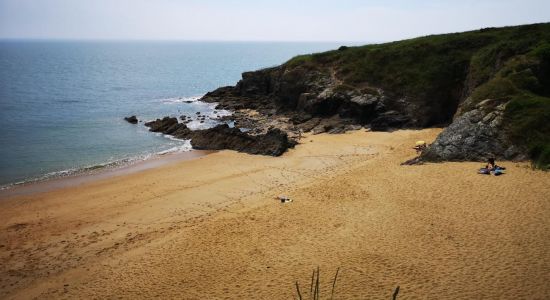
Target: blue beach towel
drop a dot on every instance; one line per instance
(498, 172)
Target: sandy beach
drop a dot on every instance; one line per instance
(211, 228)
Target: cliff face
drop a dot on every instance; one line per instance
(492, 86)
(303, 93)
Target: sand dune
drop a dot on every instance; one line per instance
(211, 228)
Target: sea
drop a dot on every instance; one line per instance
(62, 103)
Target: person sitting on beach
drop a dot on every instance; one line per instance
(420, 146)
(491, 166)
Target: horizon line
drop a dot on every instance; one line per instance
(178, 40)
(342, 42)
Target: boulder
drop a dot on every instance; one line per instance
(275, 142)
(299, 118)
(161, 125)
(131, 119)
(389, 120)
(309, 125)
(474, 136)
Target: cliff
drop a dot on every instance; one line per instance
(490, 88)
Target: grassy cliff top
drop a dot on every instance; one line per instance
(510, 64)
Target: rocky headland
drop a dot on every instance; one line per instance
(490, 88)
(274, 142)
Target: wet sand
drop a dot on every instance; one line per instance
(101, 173)
(211, 228)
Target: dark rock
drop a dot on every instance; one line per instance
(181, 132)
(255, 83)
(338, 129)
(131, 120)
(389, 120)
(362, 107)
(161, 125)
(324, 104)
(353, 127)
(332, 125)
(275, 142)
(300, 118)
(222, 92)
(309, 125)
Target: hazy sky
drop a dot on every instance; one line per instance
(281, 20)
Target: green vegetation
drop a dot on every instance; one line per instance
(510, 64)
(529, 117)
(315, 291)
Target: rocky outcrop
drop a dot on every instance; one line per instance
(475, 135)
(302, 94)
(131, 120)
(274, 142)
(169, 126)
(316, 102)
(389, 120)
(423, 82)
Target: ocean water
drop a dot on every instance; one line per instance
(62, 103)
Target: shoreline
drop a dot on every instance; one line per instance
(79, 178)
(212, 227)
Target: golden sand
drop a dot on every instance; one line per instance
(211, 228)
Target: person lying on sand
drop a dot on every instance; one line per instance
(491, 167)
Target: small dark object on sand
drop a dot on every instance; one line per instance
(284, 199)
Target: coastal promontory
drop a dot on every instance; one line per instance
(489, 89)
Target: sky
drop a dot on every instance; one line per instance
(259, 20)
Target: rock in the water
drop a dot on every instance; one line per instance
(162, 125)
(131, 120)
(275, 142)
